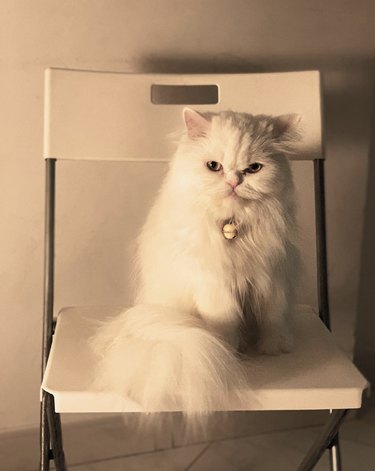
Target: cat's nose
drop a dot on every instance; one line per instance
(233, 183)
(233, 179)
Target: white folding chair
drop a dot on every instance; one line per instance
(97, 116)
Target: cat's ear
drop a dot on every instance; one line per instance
(287, 126)
(196, 124)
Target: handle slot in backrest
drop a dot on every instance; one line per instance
(184, 94)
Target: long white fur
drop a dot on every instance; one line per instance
(197, 291)
(166, 360)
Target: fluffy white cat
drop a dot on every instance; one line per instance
(203, 291)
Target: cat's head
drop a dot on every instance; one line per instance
(230, 159)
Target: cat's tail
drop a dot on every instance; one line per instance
(166, 360)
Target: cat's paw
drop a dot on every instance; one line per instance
(274, 344)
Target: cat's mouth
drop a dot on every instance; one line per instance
(236, 195)
(233, 194)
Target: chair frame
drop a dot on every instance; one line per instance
(51, 444)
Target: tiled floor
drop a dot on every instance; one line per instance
(281, 451)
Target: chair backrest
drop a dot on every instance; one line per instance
(117, 116)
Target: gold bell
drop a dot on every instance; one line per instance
(230, 231)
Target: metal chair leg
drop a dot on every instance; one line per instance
(325, 439)
(54, 424)
(50, 426)
(49, 242)
(335, 454)
(44, 436)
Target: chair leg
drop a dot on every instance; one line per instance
(334, 454)
(54, 424)
(325, 440)
(44, 436)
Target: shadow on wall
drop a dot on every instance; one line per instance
(235, 64)
(364, 353)
(196, 65)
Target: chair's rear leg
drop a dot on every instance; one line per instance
(334, 454)
(54, 424)
(325, 439)
(44, 436)
(50, 421)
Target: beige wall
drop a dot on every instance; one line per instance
(165, 35)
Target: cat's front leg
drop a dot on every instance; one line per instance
(274, 324)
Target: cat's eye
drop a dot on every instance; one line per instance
(253, 168)
(214, 166)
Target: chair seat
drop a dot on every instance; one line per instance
(316, 375)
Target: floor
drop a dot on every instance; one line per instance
(281, 451)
